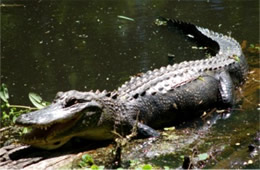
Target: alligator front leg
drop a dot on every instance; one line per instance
(226, 88)
(130, 127)
(146, 131)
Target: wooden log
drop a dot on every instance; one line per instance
(26, 157)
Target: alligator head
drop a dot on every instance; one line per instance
(71, 114)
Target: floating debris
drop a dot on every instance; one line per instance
(189, 35)
(126, 18)
(159, 22)
(171, 55)
(12, 5)
(237, 144)
(198, 48)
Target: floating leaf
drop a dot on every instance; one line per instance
(203, 156)
(126, 18)
(36, 100)
(4, 95)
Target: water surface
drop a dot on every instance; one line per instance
(51, 46)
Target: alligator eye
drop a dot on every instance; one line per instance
(71, 102)
(74, 101)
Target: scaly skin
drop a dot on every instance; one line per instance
(156, 99)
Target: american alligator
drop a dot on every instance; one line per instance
(153, 100)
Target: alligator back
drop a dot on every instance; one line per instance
(190, 85)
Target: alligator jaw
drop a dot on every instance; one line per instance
(45, 136)
(50, 124)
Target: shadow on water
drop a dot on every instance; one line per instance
(51, 46)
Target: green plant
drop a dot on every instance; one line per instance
(10, 112)
(88, 162)
(135, 164)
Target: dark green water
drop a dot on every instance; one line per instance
(51, 46)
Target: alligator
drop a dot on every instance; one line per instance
(146, 102)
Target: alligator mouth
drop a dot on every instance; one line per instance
(44, 134)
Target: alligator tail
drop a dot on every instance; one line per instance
(218, 45)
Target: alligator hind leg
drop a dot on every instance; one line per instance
(226, 88)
